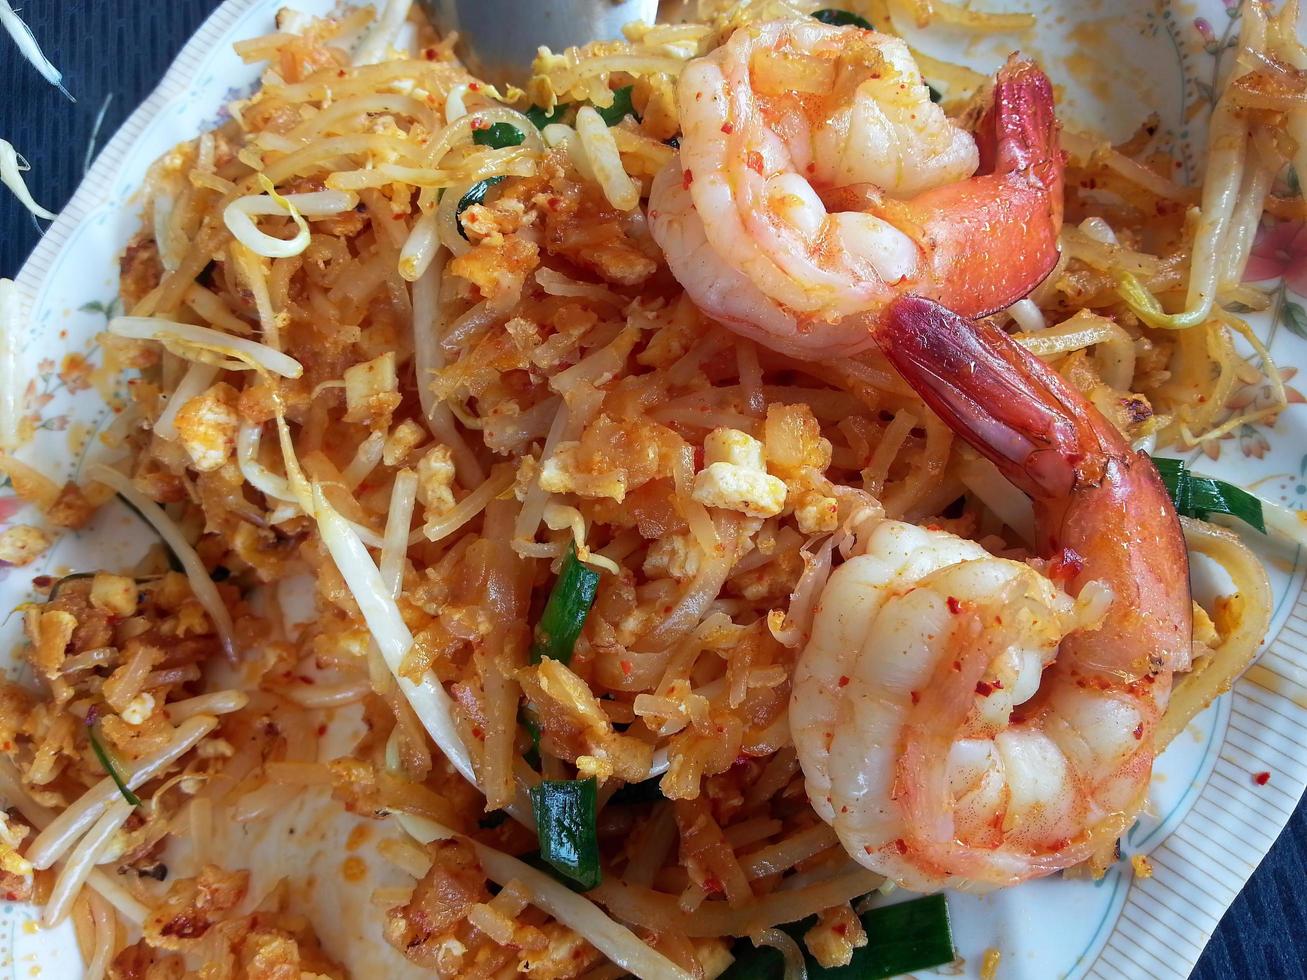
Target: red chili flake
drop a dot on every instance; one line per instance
(479, 123)
(429, 54)
(554, 203)
(322, 730)
(1139, 731)
(753, 160)
(840, 928)
(478, 734)
(305, 679)
(341, 73)
(474, 86)
(983, 689)
(954, 606)
(687, 178)
(844, 682)
(627, 667)
(1067, 565)
(915, 697)
(957, 664)
(727, 128)
(811, 168)
(902, 845)
(712, 885)
(1262, 778)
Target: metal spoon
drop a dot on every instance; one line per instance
(499, 38)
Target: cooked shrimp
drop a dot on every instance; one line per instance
(816, 181)
(961, 720)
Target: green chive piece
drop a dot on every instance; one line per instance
(621, 107)
(542, 119)
(475, 195)
(842, 18)
(566, 825)
(901, 938)
(569, 604)
(498, 135)
(106, 761)
(1200, 496)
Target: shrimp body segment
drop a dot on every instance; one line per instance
(971, 721)
(817, 181)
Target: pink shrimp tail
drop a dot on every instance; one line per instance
(1019, 130)
(994, 238)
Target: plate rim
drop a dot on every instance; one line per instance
(1178, 921)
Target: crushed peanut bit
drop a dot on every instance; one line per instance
(22, 544)
(1143, 868)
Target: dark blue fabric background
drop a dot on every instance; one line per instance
(123, 46)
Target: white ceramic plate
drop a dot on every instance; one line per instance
(1209, 822)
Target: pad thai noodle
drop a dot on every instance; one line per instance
(650, 514)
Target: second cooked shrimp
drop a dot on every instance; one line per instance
(972, 721)
(817, 181)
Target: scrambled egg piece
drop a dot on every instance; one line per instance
(436, 481)
(403, 439)
(836, 935)
(736, 478)
(114, 594)
(11, 836)
(673, 556)
(563, 473)
(372, 391)
(22, 543)
(207, 427)
(816, 513)
(612, 458)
